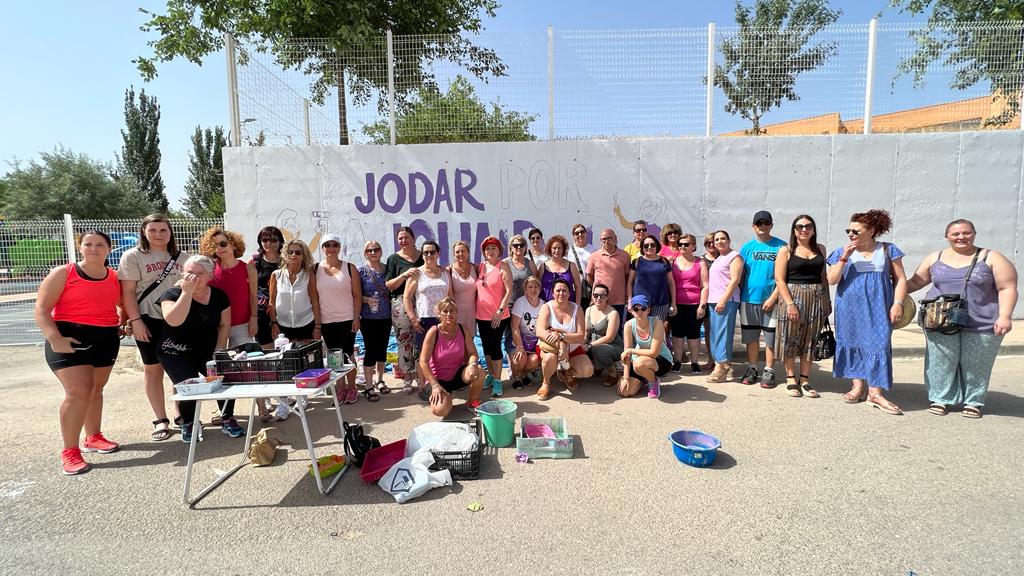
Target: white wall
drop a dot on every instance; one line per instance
(924, 180)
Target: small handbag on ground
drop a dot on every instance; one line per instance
(947, 313)
(824, 346)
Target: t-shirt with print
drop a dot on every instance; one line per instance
(197, 335)
(527, 315)
(758, 281)
(144, 268)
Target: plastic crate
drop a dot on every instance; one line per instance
(462, 465)
(379, 460)
(558, 447)
(280, 369)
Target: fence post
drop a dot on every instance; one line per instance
(710, 80)
(391, 87)
(870, 84)
(305, 119)
(69, 237)
(551, 83)
(236, 119)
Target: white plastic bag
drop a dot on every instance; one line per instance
(412, 477)
(441, 437)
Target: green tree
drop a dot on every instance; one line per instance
(139, 162)
(63, 182)
(771, 48)
(204, 188)
(352, 49)
(983, 40)
(455, 116)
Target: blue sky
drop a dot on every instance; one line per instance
(68, 64)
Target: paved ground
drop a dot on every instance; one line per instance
(803, 486)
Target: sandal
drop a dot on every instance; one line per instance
(971, 412)
(851, 398)
(938, 409)
(161, 434)
(793, 389)
(567, 378)
(808, 390)
(383, 388)
(610, 379)
(883, 404)
(517, 384)
(371, 394)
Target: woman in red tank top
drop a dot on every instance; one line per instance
(78, 311)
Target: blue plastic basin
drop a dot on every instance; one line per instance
(694, 447)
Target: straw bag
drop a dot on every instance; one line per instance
(909, 308)
(947, 313)
(263, 449)
(544, 346)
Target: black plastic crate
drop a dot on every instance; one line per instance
(258, 370)
(463, 465)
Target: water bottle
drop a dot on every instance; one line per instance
(356, 359)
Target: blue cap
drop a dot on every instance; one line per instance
(639, 299)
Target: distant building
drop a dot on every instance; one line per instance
(957, 116)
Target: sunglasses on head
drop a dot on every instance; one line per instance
(851, 231)
(295, 252)
(639, 308)
(223, 243)
(803, 227)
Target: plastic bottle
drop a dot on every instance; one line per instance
(282, 342)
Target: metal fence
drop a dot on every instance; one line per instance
(30, 248)
(637, 83)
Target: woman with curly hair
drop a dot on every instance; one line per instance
(670, 241)
(871, 284)
(557, 266)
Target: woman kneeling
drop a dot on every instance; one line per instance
(449, 362)
(645, 354)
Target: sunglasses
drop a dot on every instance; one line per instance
(763, 223)
(673, 233)
(684, 244)
(332, 245)
(649, 245)
(597, 296)
(295, 252)
(639, 308)
(223, 243)
(579, 232)
(430, 252)
(803, 227)
(372, 250)
(852, 232)
(518, 245)
(639, 230)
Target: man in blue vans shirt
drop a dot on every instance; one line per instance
(757, 298)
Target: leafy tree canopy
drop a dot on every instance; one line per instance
(139, 162)
(204, 188)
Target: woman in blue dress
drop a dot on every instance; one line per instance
(867, 305)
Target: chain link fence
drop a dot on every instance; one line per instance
(637, 83)
(30, 249)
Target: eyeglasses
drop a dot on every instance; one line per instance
(372, 250)
(803, 227)
(579, 232)
(639, 308)
(763, 223)
(332, 245)
(597, 296)
(295, 252)
(223, 243)
(684, 244)
(518, 245)
(852, 232)
(430, 252)
(649, 245)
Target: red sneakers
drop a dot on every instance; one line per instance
(97, 443)
(71, 459)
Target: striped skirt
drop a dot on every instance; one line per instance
(794, 339)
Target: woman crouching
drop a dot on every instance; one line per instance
(449, 362)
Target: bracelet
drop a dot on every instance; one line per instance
(844, 259)
(134, 319)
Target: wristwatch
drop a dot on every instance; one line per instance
(561, 337)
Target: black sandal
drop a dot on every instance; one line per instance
(161, 434)
(371, 394)
(793, 389)
(517, 384)
(809, 390)
(383, 387)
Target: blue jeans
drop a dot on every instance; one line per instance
(723, 326)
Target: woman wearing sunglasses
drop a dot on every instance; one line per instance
(238, 280)
(561, 333)
(802, 284)
(521, 268)
(374, 321)
(723, 303)
(536, 254)
(422, 294)
(645, 356)
(294, 303)
(604, 339)
(651, 275)
(340, 290)
(266, 261)
(400, 267)
(670, 235)
(691, 282)
(868, 303)
(463, 279)
(580, 255)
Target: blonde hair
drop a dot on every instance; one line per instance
(532, 280)
(307, 257)
(446, 303)
(461, 243)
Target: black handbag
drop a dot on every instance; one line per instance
(824, 343)
(947, 313)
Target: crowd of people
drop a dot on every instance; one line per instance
(556, 310)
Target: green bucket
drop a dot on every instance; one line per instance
(499, 420)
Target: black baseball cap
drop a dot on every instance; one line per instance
(762, 215)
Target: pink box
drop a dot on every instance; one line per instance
(312, 378)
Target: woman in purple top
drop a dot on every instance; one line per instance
(957, 366)
(557, 266)
(723, 303)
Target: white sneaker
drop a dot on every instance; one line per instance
(281, 412)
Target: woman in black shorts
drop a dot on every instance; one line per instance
(449, 362)
(78, 312)
(691, 281)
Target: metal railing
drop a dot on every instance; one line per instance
(891, 77)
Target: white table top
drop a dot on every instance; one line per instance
(264, 390)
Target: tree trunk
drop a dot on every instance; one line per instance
(342, 112)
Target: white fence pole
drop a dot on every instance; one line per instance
(710, 81)
(305, 118)
(236, 120)
(391, 87)
(551, 83)
(869, 88)
(69, 237)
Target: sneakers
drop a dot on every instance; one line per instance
(281, 413)
(408, 388)
(768, 378)
(230, 427)
(653, 388)
(424, 391)
(677, 366)
(694, 368)
(71, 460)
(97, 443)
(186, 432)
(750, 376)
(488, 381)
(351, 395)
(497, 389)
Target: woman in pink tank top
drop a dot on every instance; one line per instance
(78, 312)
(463, 276)
(493, 290)
(448, 361)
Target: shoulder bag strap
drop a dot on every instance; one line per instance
(967, 277)
(160, 279)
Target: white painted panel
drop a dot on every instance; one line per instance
(862, 179)
(989, 188)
